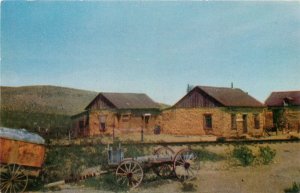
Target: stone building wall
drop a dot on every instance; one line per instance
(189, 121)
(124, 124)
(292, 116)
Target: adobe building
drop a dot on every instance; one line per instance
(284, 110)
(116, 112)
(226, 112)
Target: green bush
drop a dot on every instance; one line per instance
(221, 139)
(64, 162)
(266, 154)
(205, 155)
(244, 155)
(294, 189)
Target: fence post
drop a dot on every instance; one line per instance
(142, 134)
(113, 133)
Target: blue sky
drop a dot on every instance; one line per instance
(151, 47)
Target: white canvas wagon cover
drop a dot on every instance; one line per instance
(21, 135)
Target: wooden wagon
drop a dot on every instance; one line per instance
(164, 162)
(21, 156)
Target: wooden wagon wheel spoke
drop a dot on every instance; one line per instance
(4, 186)
(137, 171)
(133, 180)
(191, 172)
(129, 167)
(121, 173)
(121, 180)
(125, 165)
(134, 167)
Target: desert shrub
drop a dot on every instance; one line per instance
(294, 189)
(221, 139)
(106, 182)
(204, 155)
(35, 184)
(188, 187)
(244, 155)
(134, 151)
(292, 137)
(266, 154)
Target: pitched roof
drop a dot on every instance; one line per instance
(231, 97)
(277, 98)
(128, 100)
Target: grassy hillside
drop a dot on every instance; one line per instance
(45, 99)
(43, 109)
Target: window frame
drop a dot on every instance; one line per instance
(208, 125)
(256, 120)
(126, 117)
(233, 121)
(102, 125)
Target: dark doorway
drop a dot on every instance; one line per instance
(278, 119)
(245, 124)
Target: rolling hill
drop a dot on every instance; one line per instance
(45, 99)
(43, 109)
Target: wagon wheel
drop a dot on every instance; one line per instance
(130, 173)
(164, 170)
(185, 165)
(164, 151)
(13, 179)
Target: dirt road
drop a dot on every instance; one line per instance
(220, 177)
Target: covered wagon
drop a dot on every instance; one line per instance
(21, 156)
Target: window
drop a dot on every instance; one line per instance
(102, 120)
(125, 117)
(147, 119)
(207, 121)
(233, 122)
(81, 126)
(245, 123)
(256, 121)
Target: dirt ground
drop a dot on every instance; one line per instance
(223, 177)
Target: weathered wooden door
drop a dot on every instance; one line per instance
(245, 124)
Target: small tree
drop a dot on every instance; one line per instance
(189, 88)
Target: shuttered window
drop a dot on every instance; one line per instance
(207, 121)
